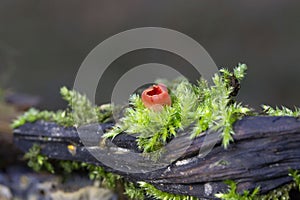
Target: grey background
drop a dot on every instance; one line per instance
(42, 43)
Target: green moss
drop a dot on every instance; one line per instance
(238, 73)
(32, 115)
(233, 195)
(79, 111)
(283, 111)
(134, 192)
(296, 177)
(69, 166)
(37, 161)
(205, 106)
(108, 179)
(215, 110)
(280, 193)
(152, 191)
(155, 128)
(80, 108)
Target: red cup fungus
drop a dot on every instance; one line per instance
(155, 97)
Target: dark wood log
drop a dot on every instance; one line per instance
(263, 151)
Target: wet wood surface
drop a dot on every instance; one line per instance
(263, 151)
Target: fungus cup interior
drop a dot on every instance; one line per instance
(155, 90)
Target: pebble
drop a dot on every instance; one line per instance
(5, 193)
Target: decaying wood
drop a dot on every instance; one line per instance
(263, 151)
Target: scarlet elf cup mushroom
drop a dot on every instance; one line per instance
(156, 96)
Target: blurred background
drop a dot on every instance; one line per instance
(43, 43)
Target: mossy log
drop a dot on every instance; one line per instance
(263, 151)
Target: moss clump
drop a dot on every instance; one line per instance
(283, 111)
(278, 193)
(232, 193)
(296, 177)
(79, 111)
(133, 191)
(152, 191)
(208, 107)
(37, 161)
(155, 128)
(33, 115)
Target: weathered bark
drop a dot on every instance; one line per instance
(263, 151)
